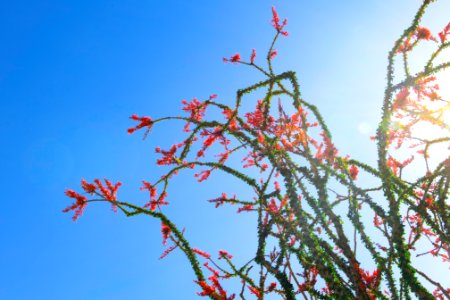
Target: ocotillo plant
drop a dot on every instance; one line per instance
(306, 195)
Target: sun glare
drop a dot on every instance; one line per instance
(439, 128)
(421, 122)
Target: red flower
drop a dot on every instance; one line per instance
(253, 56)
(79, 205)
(264, 167)
(88, 187)
(377, 221)
(402, 98)
(200, 153)
(247, 207)
(424, 33)
(207, 289)
(234, 59)
(255, 291)
(168, 157)
(233, 125)
(108, 192)
(438, 294)
(272, 206)
(221, 200)
(154, 201)
(256, 118)
(201, 253)
(144, 122)
(260, 137)
(223, 253)
(276, 23)
(330, 152)
(429, 201)
(370, 281)
(405, 46)
(272, 54)
(395, 165)
(197, 110)
(212, 270)
(165, 230)
(212, 136)
(272, 286)
(277, 186)
(215, 291)
(167, 251)
(203, 175)
(149, 187)
(443, 34)
(353, 170)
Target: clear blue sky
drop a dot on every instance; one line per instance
(71, 72)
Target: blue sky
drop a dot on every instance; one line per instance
(71, 72)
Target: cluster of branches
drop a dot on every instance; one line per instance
(307, 197)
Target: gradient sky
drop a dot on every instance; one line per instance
(71, 72)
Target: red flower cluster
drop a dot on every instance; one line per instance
(254, 159)
(439, 295)
(154, 200)
(221, 200)
(377, 221)
(273, 208)
(247, 207)
(353, 171)
(232, 123)
(144, 122)
(310, 276)
(402, 99)
(223, 253)
(253, 56)
(256, 118)
(423, 87)
(88, 187)
(396, 165)
(108, 193)
(79, 205)
(276, 23)
(424, 33)
(326, 149)
(196, 109)
(421, 33)
(371, 281)
(444, 33)
(234, 59)
(165, 230)
(168, 156)
(255, 291)
(212, 136)
(272, 54)
(215, 290)
(203, 175)
(201, 253)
